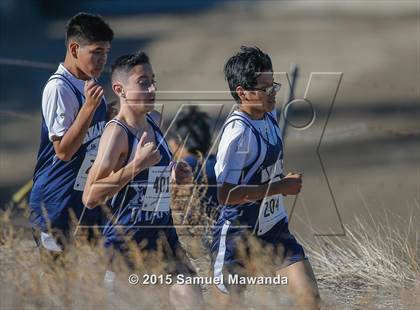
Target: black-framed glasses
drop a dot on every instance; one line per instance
(275, 88)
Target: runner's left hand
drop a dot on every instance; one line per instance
(182, 173)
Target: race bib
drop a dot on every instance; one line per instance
(271, 209)
(158, 193)
(91, 152)
(271, 212)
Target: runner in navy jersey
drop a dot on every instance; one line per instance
(190, 141)
(133, 173)
(251, 185)
(73, 117)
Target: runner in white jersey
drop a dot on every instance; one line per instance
(249, 171)
(133, 173)
(73, 117)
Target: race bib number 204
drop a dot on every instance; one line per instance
(271, 209)
(271, 212)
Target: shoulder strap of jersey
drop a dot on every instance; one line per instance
(271, 117)
(130, 136)
(153, 124)
(237, 117)
(243, 119)
(161, 138)
(61, 77)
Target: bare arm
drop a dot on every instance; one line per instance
(66, 146)
(237, 194)
(105, 178)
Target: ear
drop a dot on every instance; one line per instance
(74, 48)
(240, 91)
(118, 89)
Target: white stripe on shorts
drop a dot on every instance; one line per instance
(218, 265)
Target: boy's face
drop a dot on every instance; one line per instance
(92, 57)
(258, 98)
(140, 88)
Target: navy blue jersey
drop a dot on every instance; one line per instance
(141, 210)
(267, 167)
(58, 185)
(211, 193)
(265, 218)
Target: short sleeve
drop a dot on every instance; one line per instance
(59, 108)
(235, 150)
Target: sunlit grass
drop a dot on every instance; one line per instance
(377, 263)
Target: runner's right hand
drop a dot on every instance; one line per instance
(93, 94)
(147, 154)
(291, 183)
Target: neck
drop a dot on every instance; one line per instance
(252, 113)
(132, 117)
(74, 70)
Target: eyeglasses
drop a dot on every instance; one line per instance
(275, 88)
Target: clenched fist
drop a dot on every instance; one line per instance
(147, 154)
(182, 173)
(93, 93)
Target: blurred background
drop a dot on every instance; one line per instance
(360, 156)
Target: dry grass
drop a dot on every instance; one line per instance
(74, 280)
(377, 262)
(376, 266)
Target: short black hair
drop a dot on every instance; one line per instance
(88, 28)
(125, 63)
(243, 68)
(194, 124)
